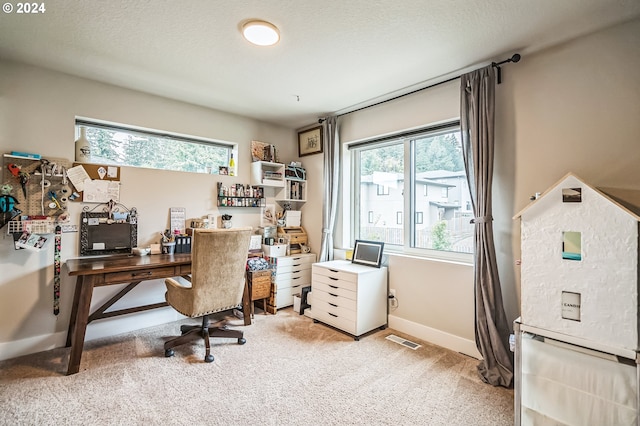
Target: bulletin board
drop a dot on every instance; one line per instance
(96, 183)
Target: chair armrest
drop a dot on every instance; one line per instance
(173, 283)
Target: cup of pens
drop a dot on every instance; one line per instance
(168, 243)
(169, 248)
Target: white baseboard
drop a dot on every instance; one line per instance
(95, 330)
(32, 345)
(437, 337)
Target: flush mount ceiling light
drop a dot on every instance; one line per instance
(261, 33)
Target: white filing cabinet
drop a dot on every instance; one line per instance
(291, 273)
(350, 297)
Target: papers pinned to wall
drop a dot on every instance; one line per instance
(95, 183)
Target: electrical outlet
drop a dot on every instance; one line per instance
(392, 293)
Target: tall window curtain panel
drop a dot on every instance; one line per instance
(477, 106)
(331, 171)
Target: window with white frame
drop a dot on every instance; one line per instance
(427, 192)
(127, 146)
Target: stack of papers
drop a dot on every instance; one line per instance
(293, 217)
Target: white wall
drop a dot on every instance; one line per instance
(37, 114)
(572, 108)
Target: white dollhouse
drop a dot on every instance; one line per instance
(577, 337)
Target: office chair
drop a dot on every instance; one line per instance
(218, 262)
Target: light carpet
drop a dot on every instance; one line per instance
(291, 371)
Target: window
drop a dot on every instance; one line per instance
(383, 190)
(127, 146)
(370, 216)
(428, 193)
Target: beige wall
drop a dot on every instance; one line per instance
(37, 113)
(572, 108)
(575, 107)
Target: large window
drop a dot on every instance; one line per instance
(427, 207)
(124, 146)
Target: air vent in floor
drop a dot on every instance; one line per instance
(404, 342)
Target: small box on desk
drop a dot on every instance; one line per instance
(276, 250)
(294, 236)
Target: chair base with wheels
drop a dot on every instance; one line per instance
(203, 331)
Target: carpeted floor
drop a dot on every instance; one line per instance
(291, 371)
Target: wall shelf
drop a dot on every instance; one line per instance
(239, 195)
(294, 193)
(265, 173)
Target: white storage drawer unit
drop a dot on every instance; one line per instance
(291, 273)
(350, 297)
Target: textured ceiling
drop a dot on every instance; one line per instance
(334, 55)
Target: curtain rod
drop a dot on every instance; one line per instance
(515, 58)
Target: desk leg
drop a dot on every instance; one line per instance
(74, 310)
(246, 303)
(78, 322)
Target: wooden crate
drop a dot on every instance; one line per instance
(263, 291)
(260, 282)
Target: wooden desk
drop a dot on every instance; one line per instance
(102, 271)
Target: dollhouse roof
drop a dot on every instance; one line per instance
(626, 199)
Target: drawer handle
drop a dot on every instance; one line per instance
(334, 295)
(333, 315)
(333, 286)
(296, 278)
(142, 274)
(334, 270)
(335, 306)
(297, 264)
(332, 278)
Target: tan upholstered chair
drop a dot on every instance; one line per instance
(218, 261)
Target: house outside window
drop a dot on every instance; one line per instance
(383, 190)
(427, 192)
(122, 145)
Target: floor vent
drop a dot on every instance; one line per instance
(404, 342)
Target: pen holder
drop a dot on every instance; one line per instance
(226, 224)
(169, 248)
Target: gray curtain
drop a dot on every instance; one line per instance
(331, 176)
(477, 105)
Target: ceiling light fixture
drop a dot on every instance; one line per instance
(261, 33)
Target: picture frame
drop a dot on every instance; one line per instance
(223, 170)
(368, 253)
(310, 141)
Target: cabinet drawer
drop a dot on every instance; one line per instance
(338, 302)
(334, 282)
(293, 267)
(284, 297)
(295, 275)
(129, 276)
(296, 260)
(333, 290)
(335, 273)
(335, 320)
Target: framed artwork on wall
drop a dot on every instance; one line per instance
(310, 141)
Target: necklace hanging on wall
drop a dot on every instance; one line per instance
(56, 270)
